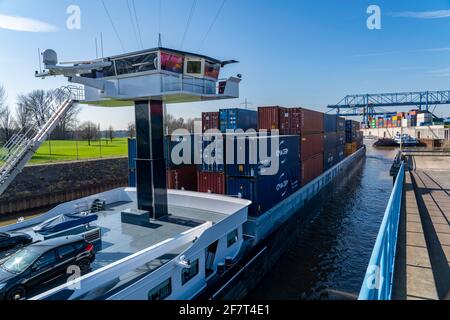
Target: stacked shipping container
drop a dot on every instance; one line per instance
(309, 125)
(413, 118)
(334, 140)
(274, 118)
(210, 121)
(238, 119)
(353, 137)
(255, 182)
(310, 143)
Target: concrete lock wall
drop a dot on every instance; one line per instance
(43, 186)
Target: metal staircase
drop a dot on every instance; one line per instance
(16, 153)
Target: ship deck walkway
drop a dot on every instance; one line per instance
(423, 258)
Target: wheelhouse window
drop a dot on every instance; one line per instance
(161, 292)
(136, 64)
(194, 67)
(212, 70)
(232, 238)
(107, 72)
(189, 273)
(172, 62)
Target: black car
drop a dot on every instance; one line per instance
(12, 240)
(41, 262)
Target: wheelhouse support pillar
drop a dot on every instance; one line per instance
(150, 162)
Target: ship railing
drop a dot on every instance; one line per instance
(379, 278)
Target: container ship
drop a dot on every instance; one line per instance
(179, 228)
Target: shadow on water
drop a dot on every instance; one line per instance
(332, 239)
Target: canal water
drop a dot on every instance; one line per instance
(332, 247)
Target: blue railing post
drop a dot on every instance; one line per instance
(379, 277)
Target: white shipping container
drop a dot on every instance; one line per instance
(424, 117)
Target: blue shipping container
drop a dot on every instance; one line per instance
(132, 178)
(132, 153)
(341, 138)
(330, 159)
(287, 154)
(340, 152)
(340, 124)
(213, 149)
(171, 142)
(330, 140)
(238, 119)
(329, 123)
(265, 191)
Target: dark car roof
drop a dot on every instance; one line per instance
(13, 234)
(54, 243)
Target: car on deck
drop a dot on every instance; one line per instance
(13, 240)
(42, 262)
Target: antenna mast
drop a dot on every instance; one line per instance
(39, 59)
(101, 44)
(96, 48)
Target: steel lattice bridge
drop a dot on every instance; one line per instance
(368, 105)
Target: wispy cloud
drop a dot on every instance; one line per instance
(434, 50)
(25, 24)
(438, 14)
(444, 72)
(398, 69)
(373, 54)
(381, 54)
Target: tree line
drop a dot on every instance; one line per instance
(33, 110)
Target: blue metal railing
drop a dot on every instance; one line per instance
(378, 281)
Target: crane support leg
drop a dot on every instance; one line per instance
(150, 163)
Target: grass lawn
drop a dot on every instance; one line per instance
(55, 151)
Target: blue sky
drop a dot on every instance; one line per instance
(292, 52)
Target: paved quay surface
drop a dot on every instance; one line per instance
(423, 259)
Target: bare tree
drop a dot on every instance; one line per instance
(111, 133)
(23, 114)
(36, 103)
(7, 124)
(34, 109)
(131, 130)
(88, 131)
(172, 124)
(6, 119)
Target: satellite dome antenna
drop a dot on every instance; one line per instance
(50, 58)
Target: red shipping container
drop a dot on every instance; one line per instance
(312, 168)
(274, 118)
(210, 121)
(184, 178)
(211, 182)
(306, 121)
(311, 144)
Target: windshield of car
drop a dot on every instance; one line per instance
(20, 261)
